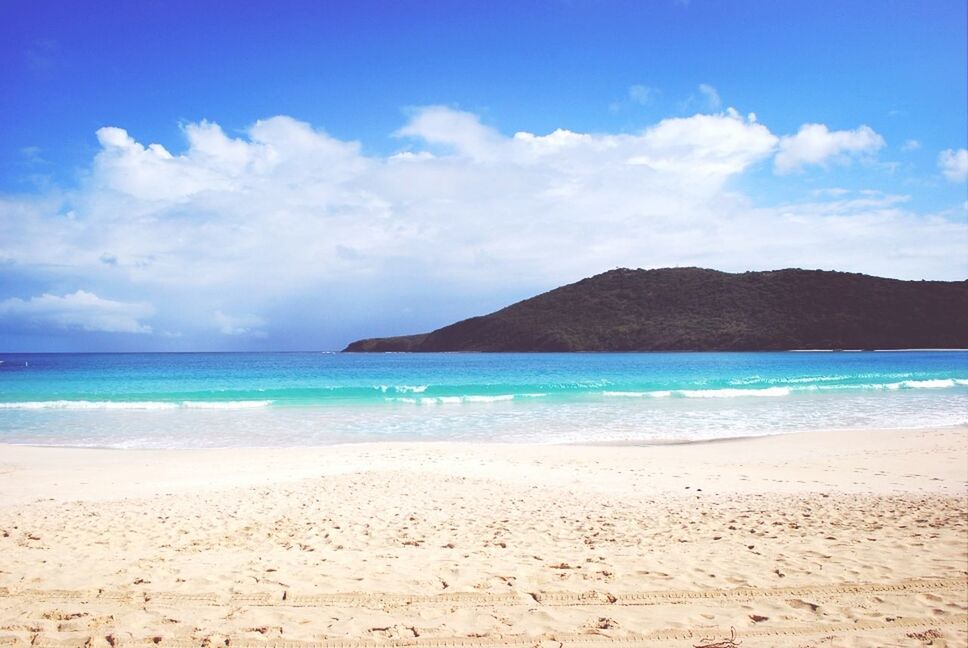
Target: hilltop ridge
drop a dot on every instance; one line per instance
(697, 309)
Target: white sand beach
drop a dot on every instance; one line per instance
(812, 539)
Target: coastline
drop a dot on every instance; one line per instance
(790, 539)
(92, 473)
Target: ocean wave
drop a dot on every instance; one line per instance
(415, 394)
(812, 379)
(638, 394)
(403, 389)
(134, 405)
(733, 393)
(702, 393)
(748, 380)
(253, 404)
(941, 383)
(936, 383)
(456, 400)
(488, 399)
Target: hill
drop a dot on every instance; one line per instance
(694, 309)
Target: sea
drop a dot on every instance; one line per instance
(207, 400)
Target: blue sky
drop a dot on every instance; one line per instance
(324, 171)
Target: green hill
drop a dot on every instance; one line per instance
(693, 309)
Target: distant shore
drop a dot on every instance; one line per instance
(789, 539)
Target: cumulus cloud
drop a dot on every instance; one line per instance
(705, 145)
(285, 226)
(460, 132)
(82, 310)
(954, 164)
(817, 145)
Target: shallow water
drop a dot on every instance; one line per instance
(284, 399)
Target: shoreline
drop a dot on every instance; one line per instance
(632, 443)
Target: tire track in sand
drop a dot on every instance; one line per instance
(36, 636)
(562, 640)
(385, 600)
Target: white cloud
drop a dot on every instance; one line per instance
(911, 145)
(215, 163)
(816, 144)
(239, 325)
(285, 218)
(835, 192)
(705, 145)
(461, 132)
(954, 164)
(711, 95)
(81, 309)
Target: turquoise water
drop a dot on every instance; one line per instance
(269, 399)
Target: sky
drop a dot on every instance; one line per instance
(181, 176)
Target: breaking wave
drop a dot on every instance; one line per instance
(942, 383)
(704, 393)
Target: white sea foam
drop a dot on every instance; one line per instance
(404, 389)
(748, 380)
(702, 393)
(638, 394)
(733, 393)
(926, 384)
(456, 400)
(442, 400)
(812, 379)
(489, 399)
(940, 383)
(134, 405)
(450, 400)
(225, 404)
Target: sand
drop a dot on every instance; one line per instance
(815, 539)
